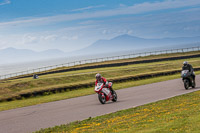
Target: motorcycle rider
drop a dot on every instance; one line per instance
(187, 66)
(100, 79)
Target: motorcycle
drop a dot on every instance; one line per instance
(187, 79)
(104, 93)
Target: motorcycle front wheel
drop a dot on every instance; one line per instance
(186, 84)
(114, 96)
(102, 98)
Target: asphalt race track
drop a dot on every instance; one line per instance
(33, 118)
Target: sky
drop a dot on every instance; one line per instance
(71, 25)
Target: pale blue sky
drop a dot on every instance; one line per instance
(71, 25)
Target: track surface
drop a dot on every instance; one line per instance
(33, 118)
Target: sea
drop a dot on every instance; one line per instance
(12, 68)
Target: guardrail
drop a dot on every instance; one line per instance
(80, 62)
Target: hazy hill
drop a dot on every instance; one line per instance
(11, 55)
(116, 45)
(127, 42)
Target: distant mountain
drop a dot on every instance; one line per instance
(12, 55)
(127, 42)
(12, 51)
(53, 53)
(115, 46)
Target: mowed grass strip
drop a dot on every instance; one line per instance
(140, 58)
(81, 92)
(179, 114)
(108, 68)
(15, 88)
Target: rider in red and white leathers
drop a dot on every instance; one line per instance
(100, 79)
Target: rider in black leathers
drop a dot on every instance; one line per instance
(187, 66)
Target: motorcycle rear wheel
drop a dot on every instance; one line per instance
(194, 85)
(102, 99)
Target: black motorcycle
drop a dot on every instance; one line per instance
(187, 79)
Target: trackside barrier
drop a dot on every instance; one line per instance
(81, 62)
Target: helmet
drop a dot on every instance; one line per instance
(98, 76)
(185, 63)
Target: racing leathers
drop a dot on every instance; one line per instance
(191, 70)
(105, 82)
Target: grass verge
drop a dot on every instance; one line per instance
(117, 62)
(76, 93)
(179, 114)
(17, 89)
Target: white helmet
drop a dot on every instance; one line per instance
(98, 76)
(185, 63)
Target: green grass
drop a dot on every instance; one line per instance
(109, 62)
(118, 61)
(77, 93)
(155, 117)
(128, 60)
(179, 114)
(12, 88)
(46, 82)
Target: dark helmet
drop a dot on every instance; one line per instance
(98, 76)
(185, 63)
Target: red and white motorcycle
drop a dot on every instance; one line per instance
(104, 93)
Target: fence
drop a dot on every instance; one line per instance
(69, 64)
